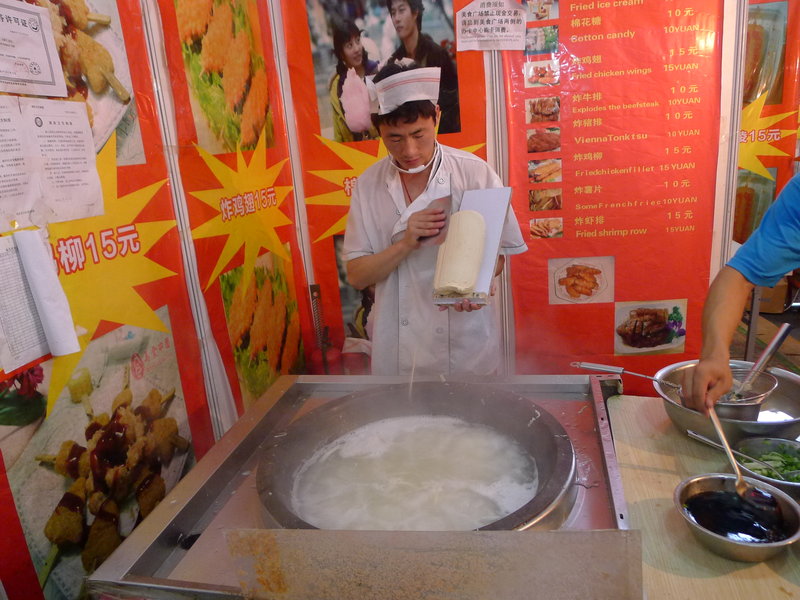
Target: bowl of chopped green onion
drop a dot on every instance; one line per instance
(782, 455)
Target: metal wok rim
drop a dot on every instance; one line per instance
(556, 488)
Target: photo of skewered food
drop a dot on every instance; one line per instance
(544, 199)
(544, 171)
(119, 459)
(226, 72)
(263, 324)
(93, 60)
(544, 139)
(538, 110)
(646, 327)
(115, 443)
(547, 228)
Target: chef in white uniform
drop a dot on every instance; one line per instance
(399, 205)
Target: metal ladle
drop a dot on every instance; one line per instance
(761, 363)
(758, 499)
(620, 371)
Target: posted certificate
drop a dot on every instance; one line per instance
(29, 61)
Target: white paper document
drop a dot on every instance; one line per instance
(29, 61)
(35, 318)
(48, 168)
(497, 25)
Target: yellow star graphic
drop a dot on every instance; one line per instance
(248, 205)
(756, 137)
(359, 162)
(104, 287)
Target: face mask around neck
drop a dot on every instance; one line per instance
(420, 168)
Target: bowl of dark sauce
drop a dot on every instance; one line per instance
(732, 527)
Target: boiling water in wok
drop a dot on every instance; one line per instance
(426, 473)
(530, 463)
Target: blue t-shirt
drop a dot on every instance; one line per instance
(773, 249)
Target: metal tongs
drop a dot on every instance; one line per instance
(620, 370)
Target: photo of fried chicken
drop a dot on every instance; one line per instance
(543, 109)
(193, 17)
(544, 140)
(217, 41)
(263, 323)
(226, 72)
(580, 280)
(240, 314)
(544, 171)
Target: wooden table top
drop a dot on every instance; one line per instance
(654, 457)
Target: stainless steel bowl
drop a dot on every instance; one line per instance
(532, 427)
(749, 406)
(779, 414)
(755, 447)
(726, 547)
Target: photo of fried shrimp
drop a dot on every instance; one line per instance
(580, 280)
(547, 228)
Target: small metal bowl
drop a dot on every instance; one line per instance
(749, 405)
(757, 446)
(726, 547)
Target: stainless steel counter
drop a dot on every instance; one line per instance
(180, 551)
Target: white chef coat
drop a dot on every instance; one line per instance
(409, 331)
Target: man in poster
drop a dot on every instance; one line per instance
(398, 202)
(406, 17)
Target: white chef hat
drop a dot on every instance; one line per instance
(405, 86)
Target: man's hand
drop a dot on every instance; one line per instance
(465, 305)
(422, 224)
(706, 383)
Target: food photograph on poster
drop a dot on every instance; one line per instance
(226, 73)
(115, 442)
(263, 323)
(241, 280)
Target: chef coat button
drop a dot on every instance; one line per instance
(440, 180)
(404, 322)
(440, 330)
(397, 210)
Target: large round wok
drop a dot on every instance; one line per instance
(518, 418)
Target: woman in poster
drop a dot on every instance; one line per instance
(406, 17)
(350, 54)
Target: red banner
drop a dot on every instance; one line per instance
(613, 120)
(237, 183)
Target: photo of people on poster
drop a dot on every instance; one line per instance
(363, 35)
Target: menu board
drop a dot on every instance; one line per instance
(613, 126)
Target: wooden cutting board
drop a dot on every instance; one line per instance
(654, 457)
